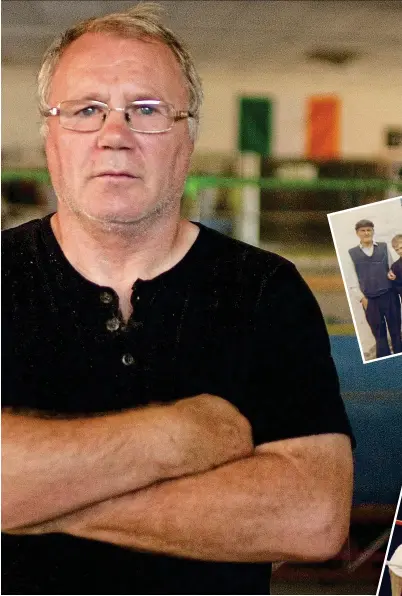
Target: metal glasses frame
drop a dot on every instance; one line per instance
(176, 114)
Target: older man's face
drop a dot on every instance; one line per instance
(152, 167)
(365, 234)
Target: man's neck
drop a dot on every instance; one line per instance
(116, 256)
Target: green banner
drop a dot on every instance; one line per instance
(255, 125)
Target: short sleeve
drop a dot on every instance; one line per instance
(293, 384)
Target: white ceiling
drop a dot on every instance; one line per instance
(277, 33)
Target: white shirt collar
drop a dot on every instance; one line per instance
(367, 247)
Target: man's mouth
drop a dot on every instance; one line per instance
(115, 174)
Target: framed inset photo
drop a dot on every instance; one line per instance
(390, 583)
(368, 244)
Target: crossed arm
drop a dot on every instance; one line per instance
(288, 499)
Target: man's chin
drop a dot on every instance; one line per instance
(118, 220)
(115, 216)
(115, 219)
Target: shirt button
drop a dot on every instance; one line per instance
(127, 359)
(113, 324)
(106, 297)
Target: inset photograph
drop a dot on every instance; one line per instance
(391, 577)
(368, 244)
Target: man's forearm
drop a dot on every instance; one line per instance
(352, 281)
(290, 501)
(54, 466)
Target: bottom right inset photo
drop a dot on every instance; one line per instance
(391, 576)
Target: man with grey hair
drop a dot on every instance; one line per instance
(371, 262)
(161, 434)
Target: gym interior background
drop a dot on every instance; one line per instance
(302, 117)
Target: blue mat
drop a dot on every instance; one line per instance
(373, 399)
(380, 375)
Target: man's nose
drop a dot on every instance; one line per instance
(115, 133)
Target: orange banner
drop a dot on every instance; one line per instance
(323, 127)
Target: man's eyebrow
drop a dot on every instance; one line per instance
(144, 96)
(96, 96)
(86, 97)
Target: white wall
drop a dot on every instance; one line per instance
(368, 107)
(20, 118)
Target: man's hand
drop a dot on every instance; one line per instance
(364, 302)
(391, 275)
(212, 432)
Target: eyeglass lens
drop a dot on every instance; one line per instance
(90, 116)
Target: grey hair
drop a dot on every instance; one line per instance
(364, 223)
(141, 21)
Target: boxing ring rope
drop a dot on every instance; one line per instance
(195, 183)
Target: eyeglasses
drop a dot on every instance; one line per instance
(148, 116)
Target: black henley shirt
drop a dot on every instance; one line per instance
(228, 319)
